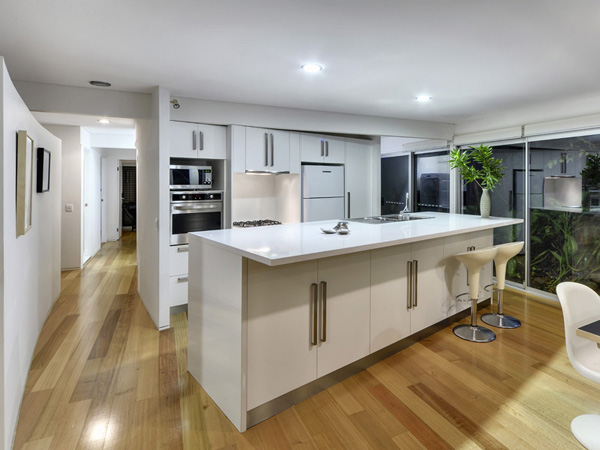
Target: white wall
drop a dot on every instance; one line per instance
(30, 263)
(88, 101)
(152, 136)
(71, 192)
(112, 196)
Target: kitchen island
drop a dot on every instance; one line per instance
(279, 313)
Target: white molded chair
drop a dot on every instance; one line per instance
(581, 305)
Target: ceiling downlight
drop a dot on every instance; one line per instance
(312, 67)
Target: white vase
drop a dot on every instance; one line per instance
(485, 204)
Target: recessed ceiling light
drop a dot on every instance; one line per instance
(104, 121)
(422, 98)
(100, 83)
(312, 68)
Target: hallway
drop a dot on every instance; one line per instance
(103, 377)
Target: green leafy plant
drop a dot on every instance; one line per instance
(591, 172)
(490, 170)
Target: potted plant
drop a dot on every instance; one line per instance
(487, 176)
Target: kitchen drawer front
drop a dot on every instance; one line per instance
(178, 259)
(178, 290)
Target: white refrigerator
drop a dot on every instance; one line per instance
(322, 193)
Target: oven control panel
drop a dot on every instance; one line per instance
(196, 196)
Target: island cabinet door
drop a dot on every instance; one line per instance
(390, 298)
(428, 303)
(281, 354)
(344, 311)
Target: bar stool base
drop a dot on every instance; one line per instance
(474, 333)
(501, 320)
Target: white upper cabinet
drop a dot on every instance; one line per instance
(267, 150)
(322, 149)
(192, 140)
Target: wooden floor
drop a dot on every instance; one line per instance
(103, 377)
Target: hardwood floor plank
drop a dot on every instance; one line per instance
(170, 410)
(412, 422)
(40, 444)
(68, 430)
(103, 377)
(100, 348)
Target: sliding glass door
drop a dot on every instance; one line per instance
(565, 212)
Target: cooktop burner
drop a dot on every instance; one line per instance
(256, 223)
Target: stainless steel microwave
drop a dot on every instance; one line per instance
(190, 177)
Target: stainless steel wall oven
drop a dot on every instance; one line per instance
(194, 211)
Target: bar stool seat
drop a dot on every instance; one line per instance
(505, 253)
(474, 261)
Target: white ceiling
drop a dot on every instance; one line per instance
(474, 57)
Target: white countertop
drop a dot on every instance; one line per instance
(284, 244)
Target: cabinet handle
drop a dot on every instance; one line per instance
(272, 150)
(322, 148)
(201, 135)
(315, 302)
(183, 249)
(266, 149)
(349, 205)
(409, 284)
(182, 279)
(326, 148)
(324, 314)
(415, 282)
(194, 140)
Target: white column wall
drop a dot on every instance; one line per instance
(30, 263)
(152, 136)
(72, 189)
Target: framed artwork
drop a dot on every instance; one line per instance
(43, 169)
(24, 182)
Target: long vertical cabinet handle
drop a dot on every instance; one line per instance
(315, 301)
(349, 205)
(324, 313)
(322, 147)
(272, 150)
(194, 140)
(415, 282)
(267, 149)
(201, 136)
(409, 281)
(326, 148)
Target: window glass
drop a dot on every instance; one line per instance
(432, 182)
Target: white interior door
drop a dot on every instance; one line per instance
(103, 192)
(92, 209)
(87, 200)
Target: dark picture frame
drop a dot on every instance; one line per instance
(43, 169)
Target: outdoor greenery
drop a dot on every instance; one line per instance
(564, 247)
(591, 172)
(478, 165)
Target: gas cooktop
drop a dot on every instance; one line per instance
(256, 223)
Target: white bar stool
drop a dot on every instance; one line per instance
(474, 261)
(505, 253)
